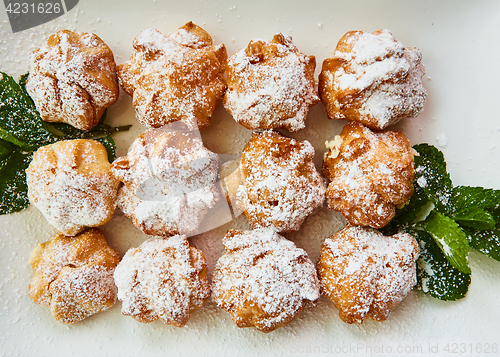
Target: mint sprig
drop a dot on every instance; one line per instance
(447, 221)
(22, 132)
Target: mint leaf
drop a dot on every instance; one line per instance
(435, 275)
(432, 177)
(467, 198)
(476, 218)
(486, 242)
(5, 148)
(20, 122)
(450, 238)
(110, 146)
(22, 83)
(13, 187)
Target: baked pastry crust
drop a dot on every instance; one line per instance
(71, 183)
(73, 79)
(175, 77)
(372, 79)
(270, 85)
(366, 274)
(169, 182)
(263, 280)
(73, 276)
(369, 174)
(279, 184)
(162, 279)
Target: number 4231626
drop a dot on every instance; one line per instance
(473, 348)
(40, 8)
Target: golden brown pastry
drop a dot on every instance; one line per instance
(169, 182)
(270, 85)
(73, 276)
(162, 279)
(71, 183)
(263, 280)
(372, 79)
(73, 79)
(278, 185)
(366, 274)
(174, 77)
(369, 173)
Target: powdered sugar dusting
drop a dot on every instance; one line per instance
(73, 79)
(74, 275)
(70, 182)
(269, 91)
(264, 270)
(169, 182)
(369, 173)
(79, 293)
(162, 279)
(366, 273)
(281, 186)
(375, 80)
(174, 77)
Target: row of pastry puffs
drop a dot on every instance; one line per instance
(372, 79)
(168, 181)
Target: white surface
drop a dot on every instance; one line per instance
(460, 42)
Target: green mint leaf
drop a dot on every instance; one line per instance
(450, 238)
(435, 275)
(466, 198)
(20, 122)
(476, 218)
(22, 83)
(110, 146)
(5, 148)
(432, 177)
(486, 242)
(13, 187)
(492, 204)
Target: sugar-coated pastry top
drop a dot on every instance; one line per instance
(162, 279)
(279, 184)
(270, 85)
(369, 173)
(74, 275)
(71, 183)
(174, 77)
(73, 79)
(263, 280)
(372, 79)
(366, 274)
(169, 182)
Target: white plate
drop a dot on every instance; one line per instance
(460, 42)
